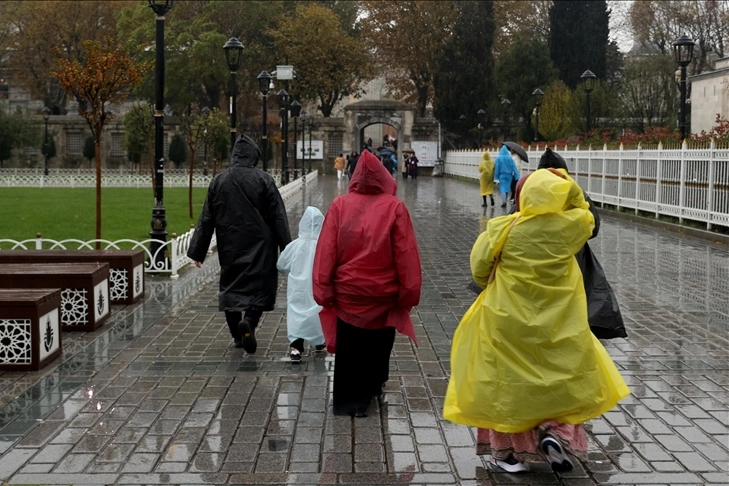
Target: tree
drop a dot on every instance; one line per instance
(407, 39)
(17, 130)
(578, 39)
(555, 114)
(34, 28)
(218, 137)
(193, 126)
(463, 83)
(648, 91)
(107, 74)
(138, 124)
(177, 151)
(524, 67)
(662, 22)
(520, 18)
(327, 69)
(89, 151)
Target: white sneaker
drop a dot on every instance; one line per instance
(517, 467)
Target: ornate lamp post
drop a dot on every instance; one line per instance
(283, 102)
(683, 52)
(46, 115)
(206, 114)
(505, 105)
(233, 49)
(588, 82)
(159, 218)
(295, 112)
(538, 96)
(264, 86)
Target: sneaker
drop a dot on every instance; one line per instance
(248, 340)
(295, 356)
(510, 465)
(320, 348)
(556, 455)
(503, 205)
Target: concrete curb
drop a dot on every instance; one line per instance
(716, 238)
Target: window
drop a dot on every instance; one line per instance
(74, 143)
(117, 145)
(335, 145)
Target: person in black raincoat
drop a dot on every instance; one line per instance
(245, 209)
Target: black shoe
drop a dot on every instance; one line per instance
(248, 340)
(556, 455)
(295, 356)
(321, 348)
(484, 205)
(503, 205)
(492, 201)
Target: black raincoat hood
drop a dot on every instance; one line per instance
(245, 152)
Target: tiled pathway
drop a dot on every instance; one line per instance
(159, 396)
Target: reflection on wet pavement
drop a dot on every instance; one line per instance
(159, 395)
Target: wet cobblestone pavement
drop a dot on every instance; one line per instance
(158, 395)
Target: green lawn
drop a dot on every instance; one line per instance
(59, 213)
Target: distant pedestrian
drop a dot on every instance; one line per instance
(518, 163)
(245, 211)
(387, 162)
(339, 166)
(351, 163)
(367, 276)
(505, 171)
(406, 166)
(413, 169)
(302, 313)
(486, 179)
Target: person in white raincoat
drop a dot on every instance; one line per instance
(297, 260)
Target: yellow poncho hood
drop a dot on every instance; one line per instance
(523, 353)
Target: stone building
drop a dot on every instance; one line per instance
(709, 96)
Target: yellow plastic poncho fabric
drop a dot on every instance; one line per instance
(486, 168)
(523, 353)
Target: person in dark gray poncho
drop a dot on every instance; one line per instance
(245, 210)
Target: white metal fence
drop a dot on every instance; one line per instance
(686, 183)
(167, 258)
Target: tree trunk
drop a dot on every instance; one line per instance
(97, 142)
(422, 99)
(192, 169)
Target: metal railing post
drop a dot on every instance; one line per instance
(710, 195)
(637, 180)
(173, 256)
(682, 182)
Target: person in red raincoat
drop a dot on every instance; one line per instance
(367, 278)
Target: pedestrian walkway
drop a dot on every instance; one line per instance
(159, 395)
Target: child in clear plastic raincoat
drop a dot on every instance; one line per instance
(297, 260)
(525, 368)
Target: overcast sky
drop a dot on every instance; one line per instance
(619, 30)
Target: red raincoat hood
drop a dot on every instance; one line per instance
(371, 177)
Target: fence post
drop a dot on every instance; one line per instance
(604, 164)
(38, 241)
(173, 256)
(710, 195)
(637, 179)
(620, 174)
(658, 178)
(682, 186)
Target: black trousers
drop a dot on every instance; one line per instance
(361, 366)
(234, 317)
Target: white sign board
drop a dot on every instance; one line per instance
(426, 152)
(317, 149)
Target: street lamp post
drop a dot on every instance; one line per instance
(505, 105)
(206, 114)
(46, 115)
(588, 81)
(683, 51)
(233, 49)
(538, 96)
(310, 121)
(283, 102)
(264, 86)
(159, 218)
(295, 112)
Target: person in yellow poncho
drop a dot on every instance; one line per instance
(525, 368)
(486, 180)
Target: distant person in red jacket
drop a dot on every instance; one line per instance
(367, 277)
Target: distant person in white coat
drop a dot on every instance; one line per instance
(302, 313)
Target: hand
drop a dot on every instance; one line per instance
(198, 264)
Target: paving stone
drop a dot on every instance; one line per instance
(14, 460)
(74, 463)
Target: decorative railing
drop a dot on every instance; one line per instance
(685, 183)
(169, 257)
